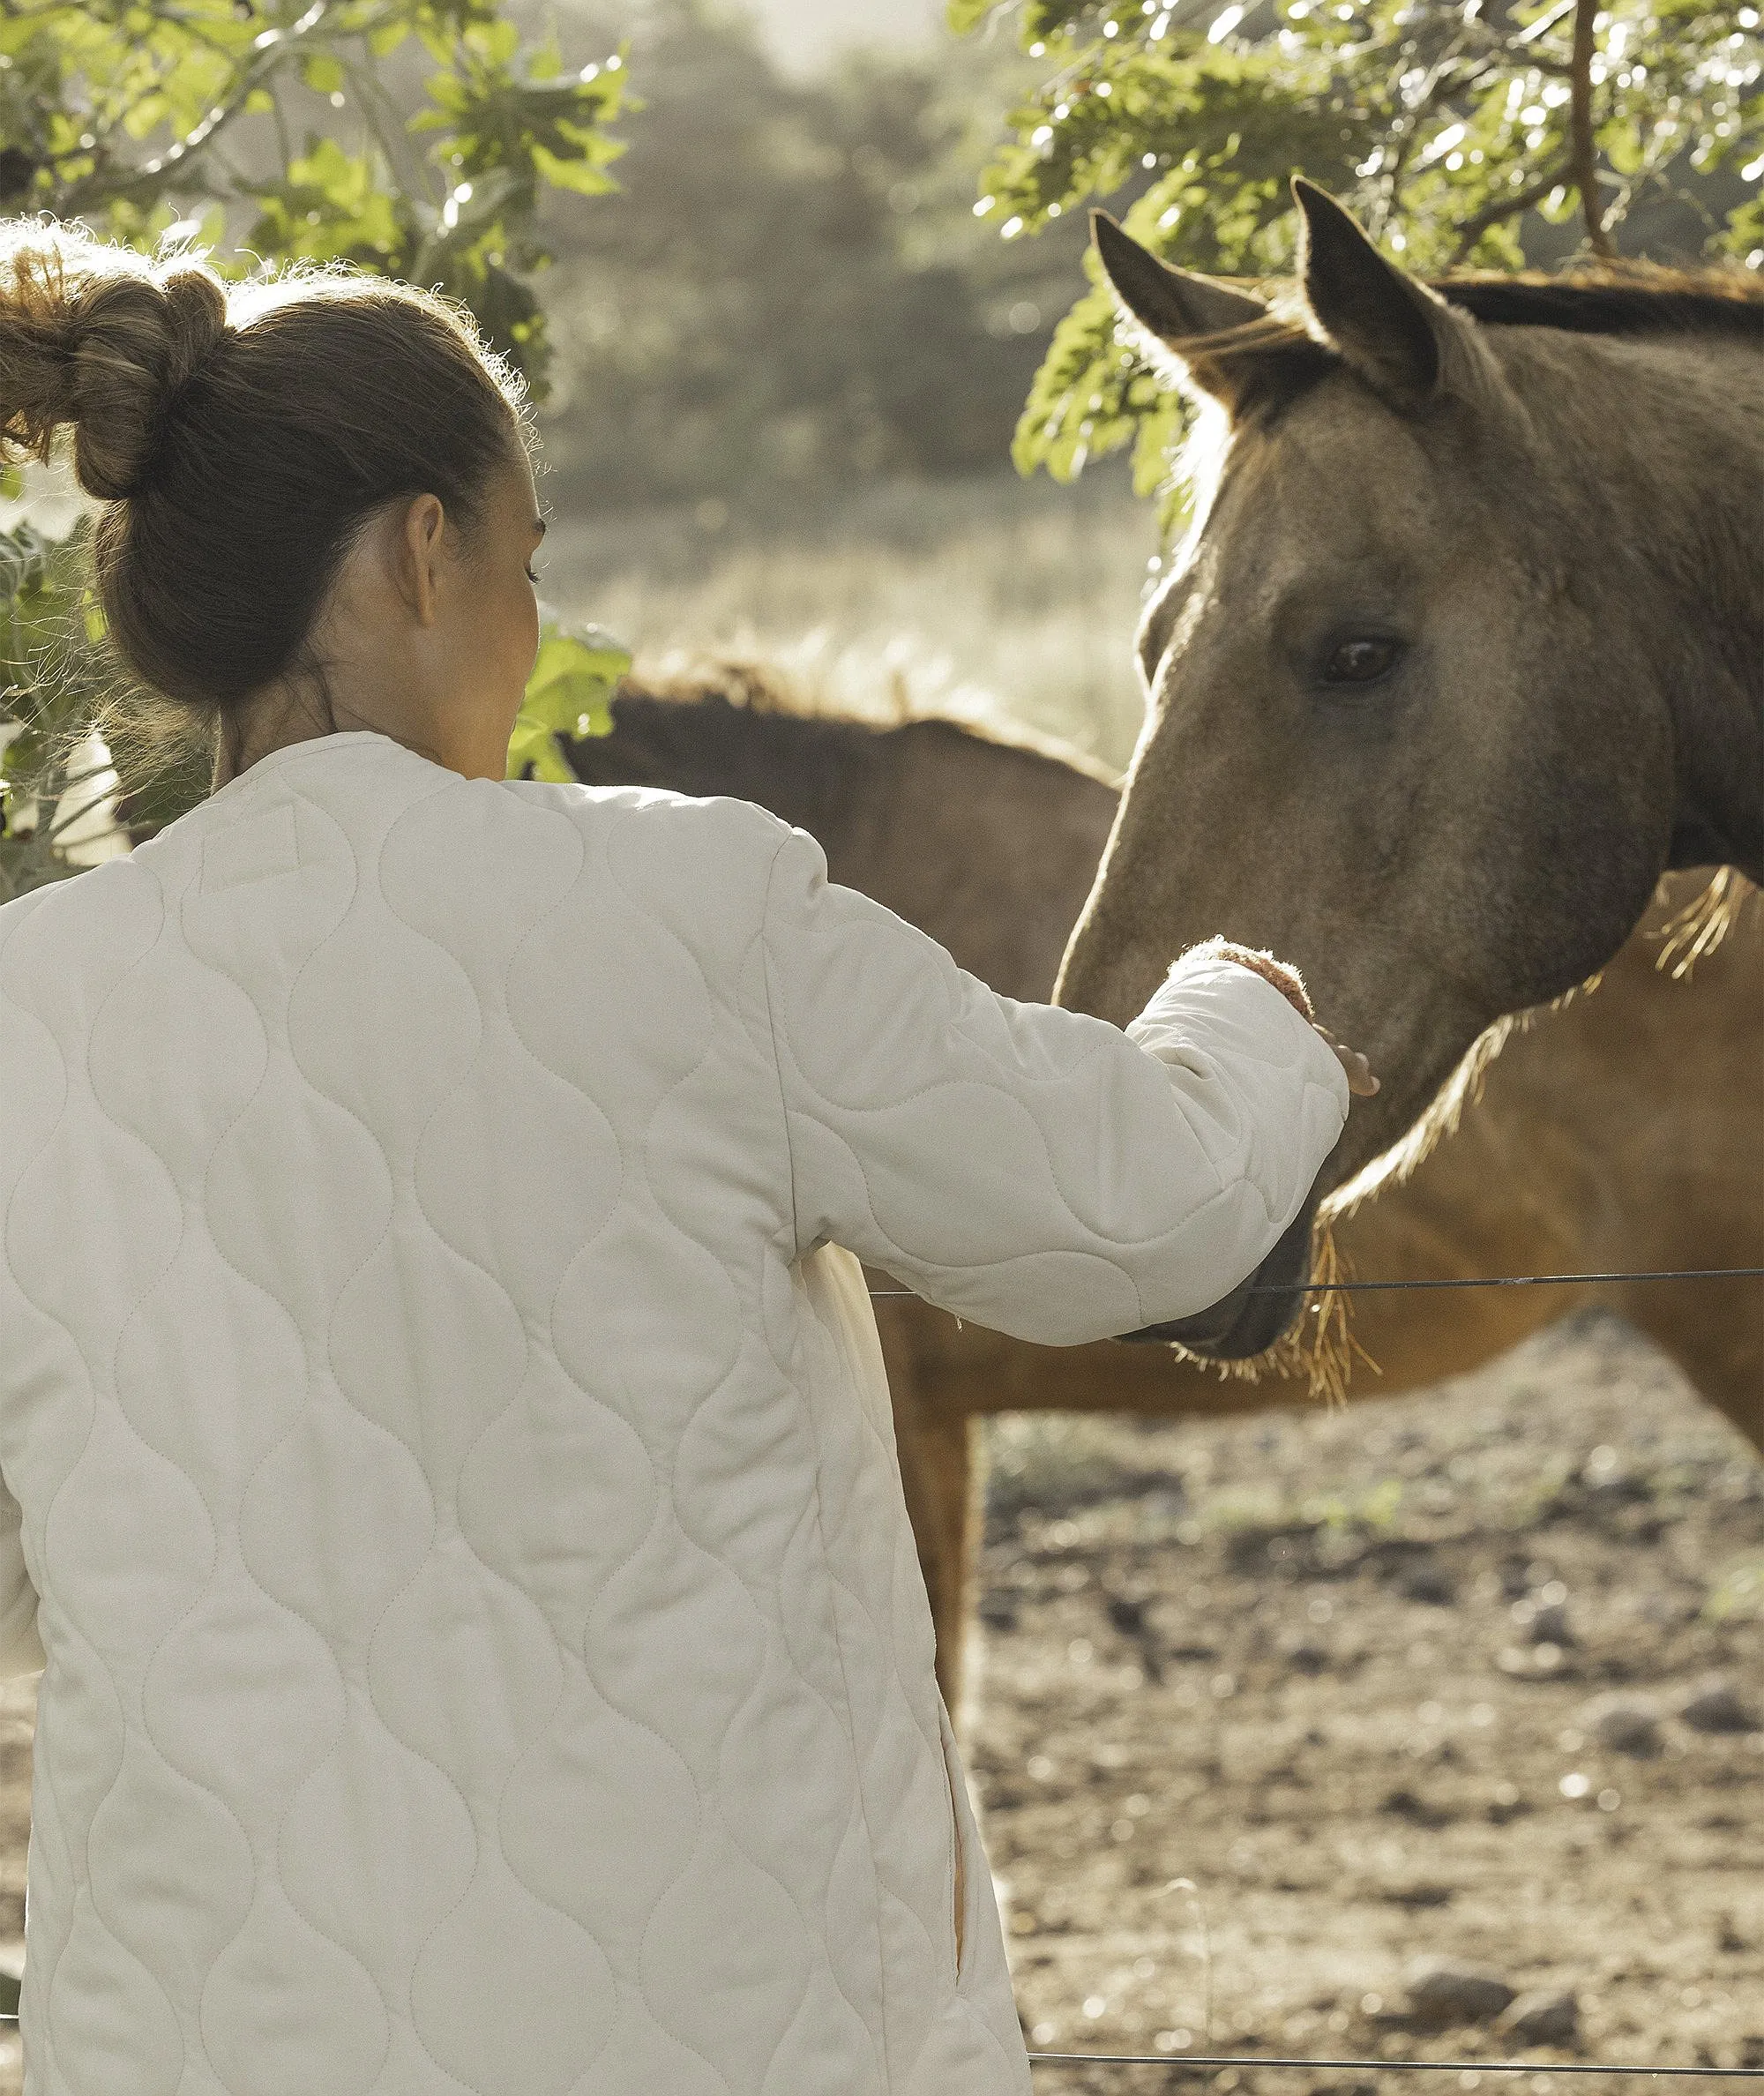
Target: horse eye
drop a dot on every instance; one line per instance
(1361, 661)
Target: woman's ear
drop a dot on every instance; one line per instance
(417, 555)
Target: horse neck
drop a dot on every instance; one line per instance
(989, 849)
(808, 771)
(1671, 428)
(992, 849)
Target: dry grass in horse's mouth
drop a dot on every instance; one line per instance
(1320, 1348)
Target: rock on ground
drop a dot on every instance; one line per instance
(1546, 2015)
(1716, 1706)
(1442, 1993)
(1625, 1724)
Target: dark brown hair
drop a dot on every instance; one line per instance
(240, 437)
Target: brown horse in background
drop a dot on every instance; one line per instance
(1624, 1131)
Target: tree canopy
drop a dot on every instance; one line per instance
(792, 292)
(1464, 133)
(410, 137)
(308, 128)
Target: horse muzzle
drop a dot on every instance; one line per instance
(1260, 1310)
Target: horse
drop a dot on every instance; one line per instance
(988, 840)
(1461, 654)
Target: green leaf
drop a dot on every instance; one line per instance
(323, 73)
(1428, 126)
(582, 176)
(569, 693)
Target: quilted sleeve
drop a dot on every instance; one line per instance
(1036, 1170)
(21, 1651)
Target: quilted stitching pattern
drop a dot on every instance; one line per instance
(458, 1478)
(1020, 1165)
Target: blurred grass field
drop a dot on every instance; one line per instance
(963, 597)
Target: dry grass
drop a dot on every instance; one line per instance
(955, 598)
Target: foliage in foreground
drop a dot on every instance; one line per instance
(1441, 123)
(408, 137)
(59, 785)
(277, 129)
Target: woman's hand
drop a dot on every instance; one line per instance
(1361, 1082)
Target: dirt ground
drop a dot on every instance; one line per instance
(1270, 1710)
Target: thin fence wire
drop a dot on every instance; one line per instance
(1193, 2062)
(1200, 2060)
(1050, 2059)
(1520, 1281)
(1480, 1281)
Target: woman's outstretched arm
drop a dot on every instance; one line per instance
(1036, 1170)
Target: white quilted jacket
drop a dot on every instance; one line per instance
(450, 1478)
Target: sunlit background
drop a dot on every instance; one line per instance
(789, 364)
(804, 35)
(1263, 1711)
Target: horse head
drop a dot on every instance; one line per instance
(1424, 680)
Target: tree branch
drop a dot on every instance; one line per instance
(1506, 207)
(1583, 152)
(176, 167)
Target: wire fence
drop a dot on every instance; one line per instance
(1478, 1280)
(1195, 2061)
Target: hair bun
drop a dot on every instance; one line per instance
(103, 339)
(133, 344)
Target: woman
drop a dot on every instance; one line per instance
(451, 1485)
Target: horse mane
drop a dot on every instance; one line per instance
(1704, 922)
(731, 684)
(1618, 297)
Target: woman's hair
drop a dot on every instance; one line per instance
(241, 436)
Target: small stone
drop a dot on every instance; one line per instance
(1127, 1614)
(1550, 1624)
(1442, 1993)
(1625, 1724)
(1430, 1583)
(1420, 1812)
(1608, 1480)
(1716, 1706)
(1303, 1654)
(1544, 2016)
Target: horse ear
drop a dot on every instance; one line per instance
(1392, 330)
(1171, 303)
(1180, 312)
(1190, 323)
